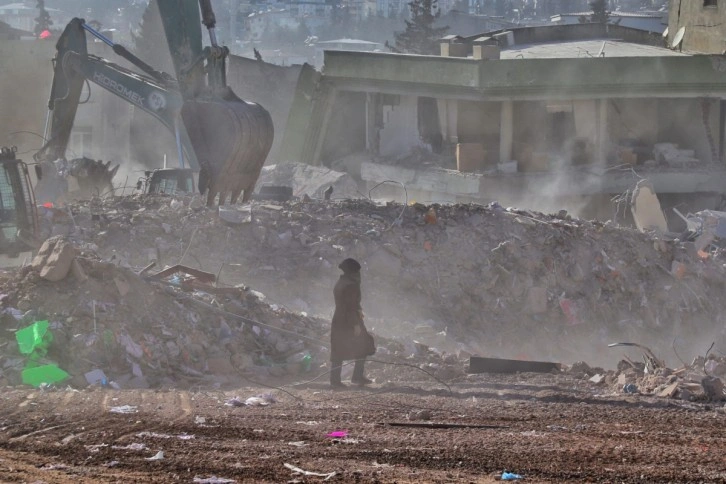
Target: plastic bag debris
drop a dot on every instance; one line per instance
(262, 400)
(337, 434)
(46, 374)
(297, 470)
(159, 456)
(34, 337)
(213, 480)
(96, 377)
(132, 446)
(510, 476)
(123, 409)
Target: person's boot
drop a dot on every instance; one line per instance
(335, 379)
(358, 377)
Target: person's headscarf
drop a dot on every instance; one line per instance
(349, 266)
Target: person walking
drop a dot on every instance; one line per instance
(349, 339)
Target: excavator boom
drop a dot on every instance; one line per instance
(225, 138)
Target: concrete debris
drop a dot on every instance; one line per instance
(690, 383)
(54, 259)
(478, 279)
(707, 226)
(670, 154)
(309, 180)
(646, 209)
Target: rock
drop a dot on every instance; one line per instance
(713, 388)
(54, 259)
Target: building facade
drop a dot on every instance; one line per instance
(697, 25)
(578, 111)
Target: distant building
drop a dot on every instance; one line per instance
(698, 25)
(648, 21)
(566, 114)
(257, 23)
(9, 33)
(22, 16)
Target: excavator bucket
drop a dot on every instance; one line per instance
(231, 139)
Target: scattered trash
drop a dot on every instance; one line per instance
(630, 388)
(165, 436)
(297, 470)
(34, 338)
(337, 434)
(132, 446)
(123, 409)
(96, 377)
(213, 480)
(262, 400)
(509, 476)
(41, 375)
(300, 443)
(159, 456)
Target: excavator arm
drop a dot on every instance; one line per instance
(156, 95)
(226, 138)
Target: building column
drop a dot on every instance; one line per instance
(506, 131)
(602, 135)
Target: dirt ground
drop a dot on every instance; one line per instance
(547, 428)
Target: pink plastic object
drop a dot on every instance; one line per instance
(338, 434)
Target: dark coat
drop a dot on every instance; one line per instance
(344, 344)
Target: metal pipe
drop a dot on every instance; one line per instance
(97, 34)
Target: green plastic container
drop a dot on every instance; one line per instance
(34, 338)
(43, 374)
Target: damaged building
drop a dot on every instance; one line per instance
(548, 116)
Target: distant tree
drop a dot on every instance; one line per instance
(42, 21)
(303, 31)
(420, 36)
(600, 13)
(150, 43)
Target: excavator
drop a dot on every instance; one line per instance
(224, 138)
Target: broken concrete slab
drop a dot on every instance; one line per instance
(646, 208)
(309, 180)
(670, 391)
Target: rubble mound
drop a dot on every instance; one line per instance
(486, 280)
(143, 333)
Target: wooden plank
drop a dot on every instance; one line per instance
(479, 364)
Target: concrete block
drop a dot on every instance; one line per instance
(54, 259)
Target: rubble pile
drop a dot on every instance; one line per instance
(700, 381)
(142, 332)
(487, 280)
